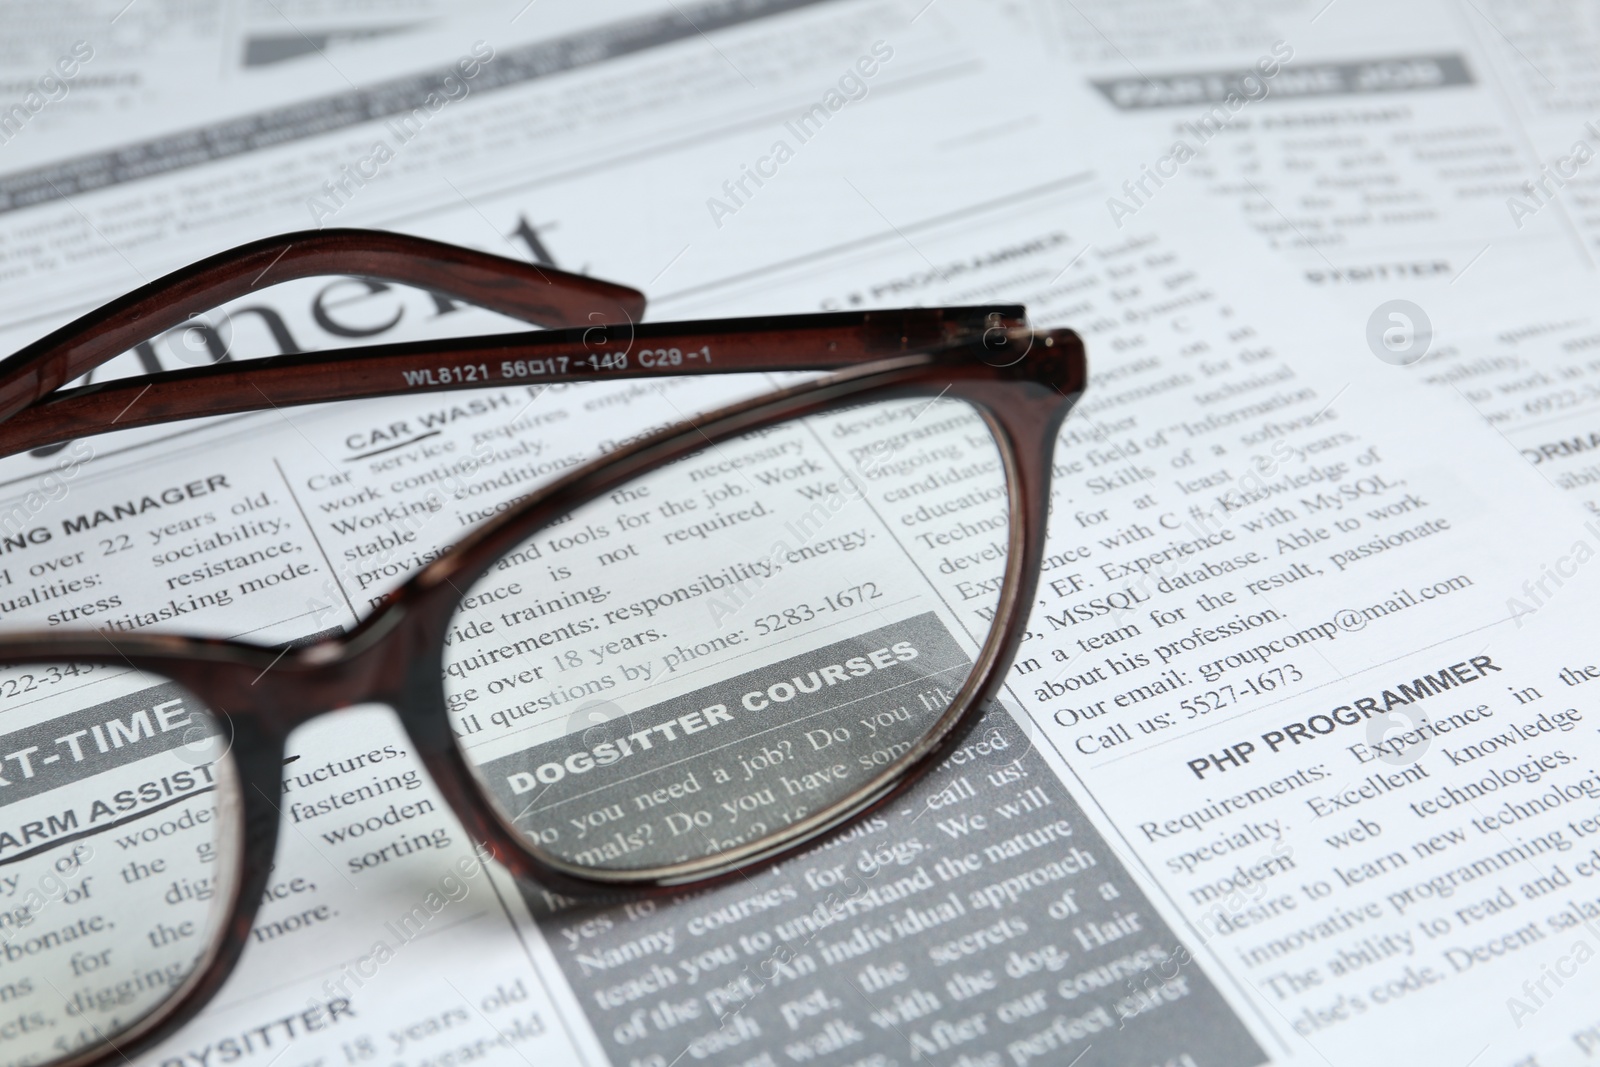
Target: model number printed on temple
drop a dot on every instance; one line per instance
(467, 373)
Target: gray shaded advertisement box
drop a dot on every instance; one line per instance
(737, 759)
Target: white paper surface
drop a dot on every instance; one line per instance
(1223, 817)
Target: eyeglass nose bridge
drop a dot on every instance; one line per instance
(368, 665)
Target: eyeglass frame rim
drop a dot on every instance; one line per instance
(258, 755)
(265, 730)
(167, 654)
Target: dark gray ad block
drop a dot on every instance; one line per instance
(1294, 80)
(735, 760)
(978, 920)
(94, 739)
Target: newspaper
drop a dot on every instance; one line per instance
(1289, 768)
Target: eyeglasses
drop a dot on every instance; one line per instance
(698, 653)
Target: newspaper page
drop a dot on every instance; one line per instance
(1365, 158)
(1280, 775)
(1382, 169)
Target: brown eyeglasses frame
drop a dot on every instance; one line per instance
(1022, 382)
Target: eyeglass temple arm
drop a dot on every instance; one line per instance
(540, 295)
(820, 342)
